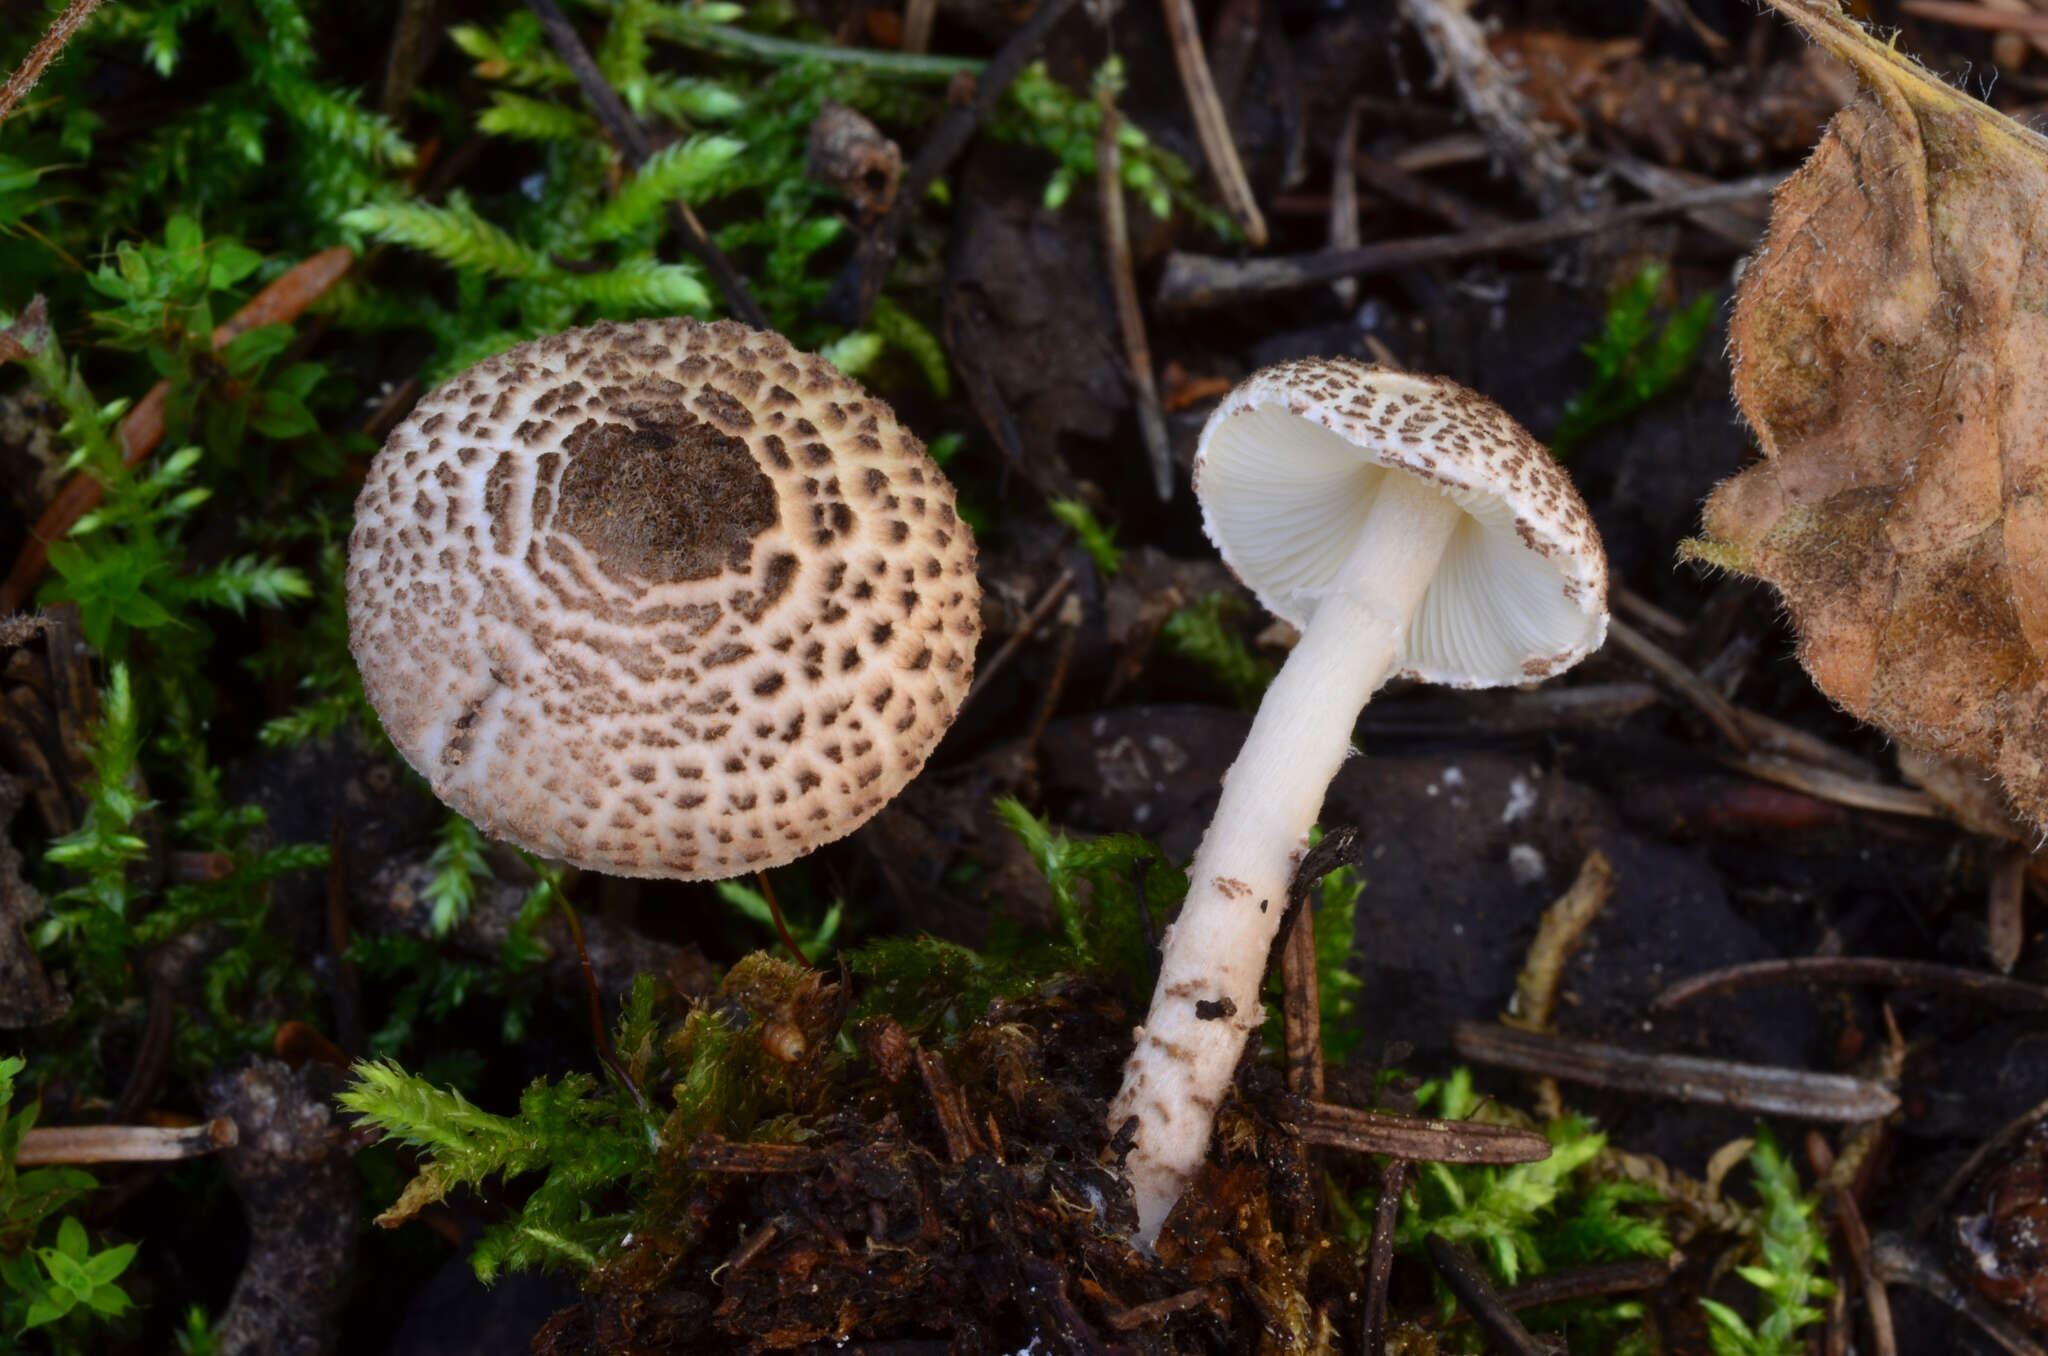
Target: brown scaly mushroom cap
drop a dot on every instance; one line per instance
(661, 599)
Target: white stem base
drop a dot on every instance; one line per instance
(1206, 1004)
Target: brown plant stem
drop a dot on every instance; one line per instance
(47, 49)
(1211, 127)
(627, 134)
(1130, 315)
(282, 301)
(860, 281)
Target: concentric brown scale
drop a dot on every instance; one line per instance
(628, 596)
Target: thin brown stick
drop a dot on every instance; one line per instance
(918, 16)
(1343, 222)
(1123, 281)
(1827, 784)
(1379, 1266)
(2011, 995)
(1212, 129)
(1195, 281)
(1983, 17)
(860, 281)
(781, 927)
(1468, 1281)
(47, 49)
(1420, 1139)
(1558, 934)
(1857, 1236)
(124, 1143)
(1768, 1089)
(283, 300)
(1521, 143)
(951, 1106)
(598, 1030)
(631, 139)
(1033, 619)
(1300, 1007)
(1151, 1311)
(1702, 695)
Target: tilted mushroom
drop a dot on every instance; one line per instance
(661, 599)
(1407, 526)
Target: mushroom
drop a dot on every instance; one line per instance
(1406, 526)
(661, 599)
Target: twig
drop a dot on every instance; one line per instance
(1151, 1311)
(1438, 715)
(124, 1143)
(1557, 936)
(1033, 619)
(1768, 1089)
(1520, 143)
(1379, 1265)
(950, 1104)
(1857, 1235)
(2005, 908)
(1704, 696)
(1193, 281)
(781, 927)
(1475, 1292)
(1299, 1004)
(598, 1031)
(1301, 1009)
(1130, 316)
(2011, 995)
(1897, 1261)
(917, 24)
(1964, 15)
(626, 133)
(281, 301)
(1343, 230)
(412, 47)
(1212, 129)
(47, 49)
(1420, 1139)
(1391, 181)
(1828, 784)
(740, 42)
(860, 281)
(1587, 1282)
(713, 1152)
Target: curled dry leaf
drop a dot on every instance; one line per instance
(1889, 339)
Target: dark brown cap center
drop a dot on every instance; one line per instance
(673, 498)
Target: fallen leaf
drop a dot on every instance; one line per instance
(1889, 340)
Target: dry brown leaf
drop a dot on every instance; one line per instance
(1890, 341)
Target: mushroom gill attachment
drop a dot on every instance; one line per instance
(661, 599)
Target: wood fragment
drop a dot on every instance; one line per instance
(1139, 1315)
(1421, 1139)
(2010, 995)
(1828, 784)
(124, 1143)
(1469, 1282)
(1123, 282)
(1300, 1002)
(1521, 143)
(1198, 281)
(950, 1104)
(1703, 696)
(1770, 1090)
(715, 1153)
(1379, 1265)
(1876, 1303)
(1212, 129)
(918, 17)
(1558, 934)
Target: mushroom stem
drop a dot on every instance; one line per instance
(1206, 1003)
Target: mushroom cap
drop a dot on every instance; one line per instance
(661, 599)
(1289, 464)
